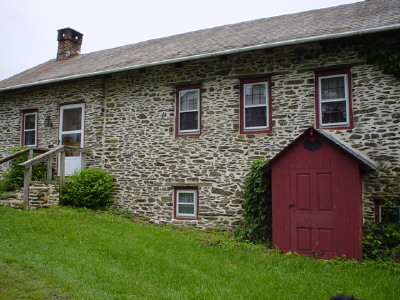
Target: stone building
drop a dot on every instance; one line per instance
(179, 120)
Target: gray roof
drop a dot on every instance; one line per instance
(334, 22)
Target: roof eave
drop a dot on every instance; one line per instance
(365, 163)
(208, 55)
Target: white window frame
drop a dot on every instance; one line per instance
(346, 98)
(266, 105)
(380, 211)
(179, 191)
(180, 111)
(25, 114)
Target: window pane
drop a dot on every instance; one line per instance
(73, 139)
(390, 214)
(187, 209)
(255, 94)
(188, 100)
(332, 88)
(256, 117)
(334, 112)
(72, 119)
(188, 121)
(186, 198)
(30, 121)
(29, 138)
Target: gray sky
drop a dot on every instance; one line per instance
(28, 28)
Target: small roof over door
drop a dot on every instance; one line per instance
(365, 163)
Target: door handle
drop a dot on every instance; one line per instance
(292, 205)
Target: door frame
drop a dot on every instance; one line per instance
(81, 131)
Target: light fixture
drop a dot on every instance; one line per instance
(47, 121)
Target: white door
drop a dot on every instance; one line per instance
(72, 134)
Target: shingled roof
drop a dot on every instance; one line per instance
(334, 22)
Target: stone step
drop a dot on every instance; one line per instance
(40, 195)
(12, 203)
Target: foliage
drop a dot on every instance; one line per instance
(385, 52)
(257, 223)
(90, 188)
(103, 256)
(14, 177)
(382, 240)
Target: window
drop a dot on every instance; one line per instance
(186, 204)
(188, 110)
(388, 214)
(333, 101)
(29, 128)
(255, 106)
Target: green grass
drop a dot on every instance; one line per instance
(62, 253)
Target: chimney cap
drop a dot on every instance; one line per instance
(69, 34)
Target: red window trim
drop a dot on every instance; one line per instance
(23, 113)
(176, 189)
(316, 97)
(269, 106)
(177, 132)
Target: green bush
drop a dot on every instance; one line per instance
(14, 177)
(257, 222)
(90, 188)
(382, 241)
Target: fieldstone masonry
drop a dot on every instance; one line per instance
(41, 195)
(130, 117)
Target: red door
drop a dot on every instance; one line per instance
(312, 208)
(316, 198)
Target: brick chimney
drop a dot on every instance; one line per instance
(69, 43)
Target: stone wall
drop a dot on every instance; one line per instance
(130, 126)
(40, 195)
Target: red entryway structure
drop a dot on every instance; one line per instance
(317, 197)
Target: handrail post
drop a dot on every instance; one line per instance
(27, 182)
(62, 171)
(30, 156)
(49, 168)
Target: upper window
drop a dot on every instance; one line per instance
(186, 203)
(255, 106)
(333, 100)
(29, 128)
(188, 111)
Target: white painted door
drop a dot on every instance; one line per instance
(72, 134)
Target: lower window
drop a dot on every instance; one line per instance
(186, 202)
(387, 213)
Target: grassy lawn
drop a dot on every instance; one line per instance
(61, 253)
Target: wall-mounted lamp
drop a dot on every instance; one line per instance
(47, 121)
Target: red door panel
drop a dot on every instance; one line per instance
(324, 191)
(303, 189)
(304, 240)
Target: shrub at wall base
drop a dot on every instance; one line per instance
(90, 188)
(257, 223)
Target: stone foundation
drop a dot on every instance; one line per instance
(40, 195)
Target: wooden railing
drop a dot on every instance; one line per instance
(47, 157)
